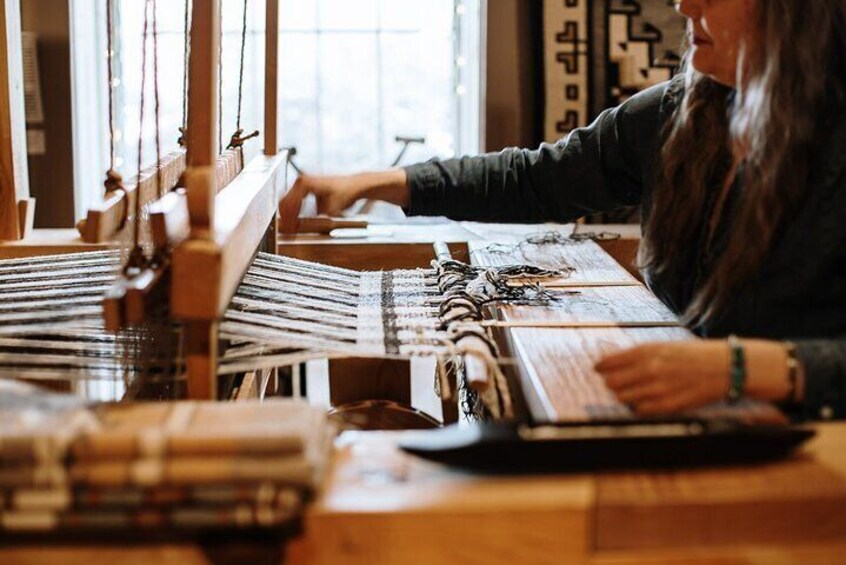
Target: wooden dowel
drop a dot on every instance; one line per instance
(577, 324)
(202, 117)
(442, 252)
(271, 78)
(553, 284)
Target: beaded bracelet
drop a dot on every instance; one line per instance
(737, 380)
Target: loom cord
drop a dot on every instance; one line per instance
(51, 326)
(136, 236)
(186, 57)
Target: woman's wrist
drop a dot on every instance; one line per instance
(767, 370)
(388, 186)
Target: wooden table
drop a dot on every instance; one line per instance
(378, 247)
(47, 242)
(381, 505)
(408, 246)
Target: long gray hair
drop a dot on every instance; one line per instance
(791, 77)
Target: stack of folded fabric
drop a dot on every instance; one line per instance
(36, 430)
(178, 465)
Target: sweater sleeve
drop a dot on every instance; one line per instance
(594, 169)
(824, 362)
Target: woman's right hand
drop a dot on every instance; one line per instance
(334, 194)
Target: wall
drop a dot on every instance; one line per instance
(51, 174)
(514, 101)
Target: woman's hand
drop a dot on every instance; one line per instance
(659, 378)
(335, 194)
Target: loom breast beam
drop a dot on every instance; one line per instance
(16, 207)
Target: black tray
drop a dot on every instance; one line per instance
(599, 445)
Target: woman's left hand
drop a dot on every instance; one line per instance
(658, 378)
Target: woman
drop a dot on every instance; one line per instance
(740, 168)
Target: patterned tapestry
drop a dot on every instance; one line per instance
(597, 53)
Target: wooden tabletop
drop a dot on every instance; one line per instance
(381, 505)
(47, 242)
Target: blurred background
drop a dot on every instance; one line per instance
(458, 76)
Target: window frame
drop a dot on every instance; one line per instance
(89, 99)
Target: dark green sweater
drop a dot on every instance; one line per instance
(800, 292)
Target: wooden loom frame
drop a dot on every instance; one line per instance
(17, 209)
(105, 220)
(227, 227)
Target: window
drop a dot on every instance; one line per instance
(357, 74)
(354, 75)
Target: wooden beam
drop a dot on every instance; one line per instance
(169, 224)
(48, 242)
(106, 219)
(26, 216)
(227, 227)
(206, 272)
(271, 78)
(202, 118)
(201, 352)
(14, 178)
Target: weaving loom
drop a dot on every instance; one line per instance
(151, 212)
(186, 303)
(284, 312)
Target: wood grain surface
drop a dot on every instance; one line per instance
(557, 372)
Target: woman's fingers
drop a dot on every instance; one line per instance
(635, 395)
(641, 379)
(667, 377)
(625, 358)
(624, 378)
